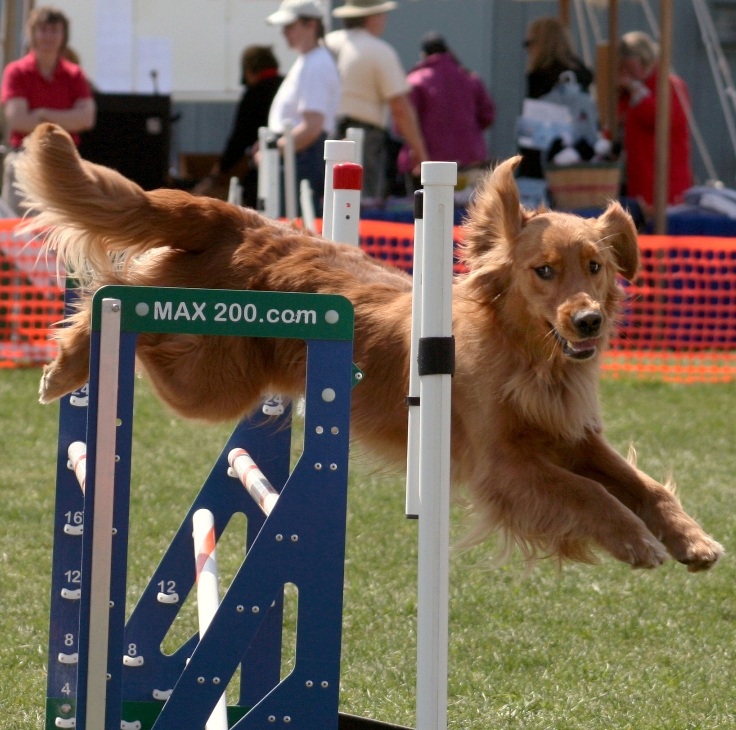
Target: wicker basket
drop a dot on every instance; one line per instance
(590, 185)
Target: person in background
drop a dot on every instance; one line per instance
(43, 86)
(550, 52)
(637, 82)
(453, 107)
(260, 75)
(373, 84)
(309, 94)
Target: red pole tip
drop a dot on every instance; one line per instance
(347, 176)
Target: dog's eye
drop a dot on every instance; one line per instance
(544, 272)
(594, 267)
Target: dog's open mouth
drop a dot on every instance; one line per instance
(580, 350)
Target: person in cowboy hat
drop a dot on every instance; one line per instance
(373, 84)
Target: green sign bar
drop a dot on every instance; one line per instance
(230, 312)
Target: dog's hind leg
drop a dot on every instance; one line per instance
(653, 502)
(70, 370)
(206, 377)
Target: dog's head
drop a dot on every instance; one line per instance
(551, 276)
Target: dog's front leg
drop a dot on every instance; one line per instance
(550, 510)
(653, 502)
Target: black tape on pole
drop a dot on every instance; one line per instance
(418, 205)
(436, 356)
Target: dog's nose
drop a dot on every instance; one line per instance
(587, 323)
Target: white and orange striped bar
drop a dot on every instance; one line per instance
(253, 479)
(208, 592)
(77, 453)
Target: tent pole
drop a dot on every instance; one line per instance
(662, 124)
(612, 90)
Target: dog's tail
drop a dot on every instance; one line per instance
(97, 220)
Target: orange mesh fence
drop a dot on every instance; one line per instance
(30, 299)
(679, 322)
(394, 243)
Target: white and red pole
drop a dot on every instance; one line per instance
(336, 150)
(243, 467)
(347, 182)
(77, 453)
(208, 592)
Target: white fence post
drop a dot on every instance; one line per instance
(436, 360)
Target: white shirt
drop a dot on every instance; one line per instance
(311, 85)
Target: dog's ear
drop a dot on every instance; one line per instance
(617, 230)
(495, 215)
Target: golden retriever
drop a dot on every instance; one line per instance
(531, 320)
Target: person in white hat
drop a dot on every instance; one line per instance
(373, 83)
(309, 94)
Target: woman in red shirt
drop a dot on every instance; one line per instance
(43, 86)
(638, 59)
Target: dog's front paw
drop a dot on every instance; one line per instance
(647, 552)
(700, 553)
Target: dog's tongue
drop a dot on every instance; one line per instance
(582, 346)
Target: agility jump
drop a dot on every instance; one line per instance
(91, 687)
(115, 672)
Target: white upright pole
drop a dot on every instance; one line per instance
(235, 192)
(306, 200)
(347, 181)
(208, 593)
(356, 135)
(289, 174)
(336, 150)
(263, 134)
(100, 514)
(412, 451)
(436, 359)
(271, 159)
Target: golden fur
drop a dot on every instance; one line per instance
(530, 320)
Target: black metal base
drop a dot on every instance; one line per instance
(352, 722)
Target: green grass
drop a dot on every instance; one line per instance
(590, 647)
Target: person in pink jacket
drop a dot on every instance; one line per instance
(452, 104)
